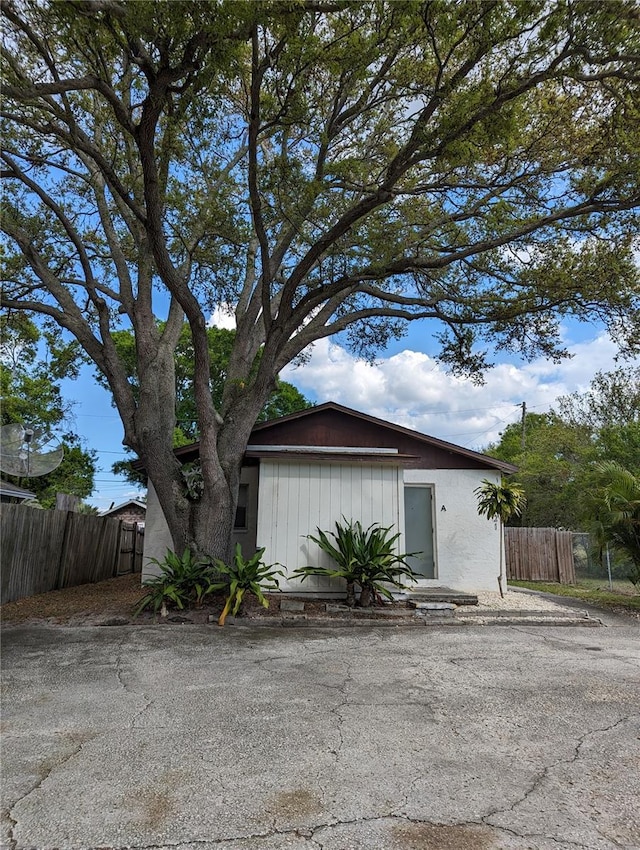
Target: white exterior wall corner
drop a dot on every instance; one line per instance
(157, 537)
(295, 499)
(466, 545)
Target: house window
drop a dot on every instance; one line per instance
(240, 523)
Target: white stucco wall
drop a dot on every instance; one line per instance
(467, 545)
(297, 498)
(157, 538)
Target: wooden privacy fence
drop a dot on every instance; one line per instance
(539, 554)
(49, 550)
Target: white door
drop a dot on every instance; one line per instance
(418, 529)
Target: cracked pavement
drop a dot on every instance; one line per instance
(195, 738)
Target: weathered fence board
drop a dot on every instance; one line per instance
(90, 551)
(539, 554)
(49, 550)
(131, 546)
(30, 550)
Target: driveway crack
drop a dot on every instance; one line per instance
(543, 774)
(42, 778)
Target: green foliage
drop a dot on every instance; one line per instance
(75, 475)
(500, 501)
(617, 512)
(183, 581)
(193, 480)
(554, 453)
(364, 557)
(557, 462)
(589, 590)
(613, 399)
(318, 169)
(285, 398)
(250, 575)
(33, 360)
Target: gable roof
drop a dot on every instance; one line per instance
(381, 425)
(295, 428)
(115, 508)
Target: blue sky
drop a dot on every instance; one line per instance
(405, 386)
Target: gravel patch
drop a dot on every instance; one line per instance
(517, 601)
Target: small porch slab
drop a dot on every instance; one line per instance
(416, 598)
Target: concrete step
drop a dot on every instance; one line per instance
(440, 594)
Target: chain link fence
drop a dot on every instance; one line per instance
(597, 563)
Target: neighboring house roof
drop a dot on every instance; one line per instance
(331, 432)
(13, 492)
(130, 503)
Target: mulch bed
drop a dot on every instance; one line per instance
(112, 602)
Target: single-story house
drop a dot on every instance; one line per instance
(131, 511)
(312, 468)
(13, 494)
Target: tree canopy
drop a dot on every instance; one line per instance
(284, 399)
(562, 449)
(317, 168)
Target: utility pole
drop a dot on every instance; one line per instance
(523, 427)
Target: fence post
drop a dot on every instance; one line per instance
(63, 552)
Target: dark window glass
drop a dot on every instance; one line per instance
(241, 510)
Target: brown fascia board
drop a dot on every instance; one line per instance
(190, 452)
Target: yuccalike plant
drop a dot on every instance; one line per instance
(500, 502)
(364, 557)
(183, 580)
(250, 575)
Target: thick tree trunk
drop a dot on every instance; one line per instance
(204, 524)
(213, 517)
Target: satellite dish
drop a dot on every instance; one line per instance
(28, 452)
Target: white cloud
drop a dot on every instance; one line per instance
(412, 389)
(223, 317)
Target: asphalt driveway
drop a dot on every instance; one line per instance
(194, 738)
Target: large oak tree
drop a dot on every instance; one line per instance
(320, 168)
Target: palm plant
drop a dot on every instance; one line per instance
(500, 502)
(364, 557)
(246, 575)
(618, 512)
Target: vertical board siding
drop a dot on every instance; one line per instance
(50, 550)
(298, 498)
(539, 554)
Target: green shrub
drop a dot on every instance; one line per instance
(183, 581)
(364, 557)
(246, 576)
